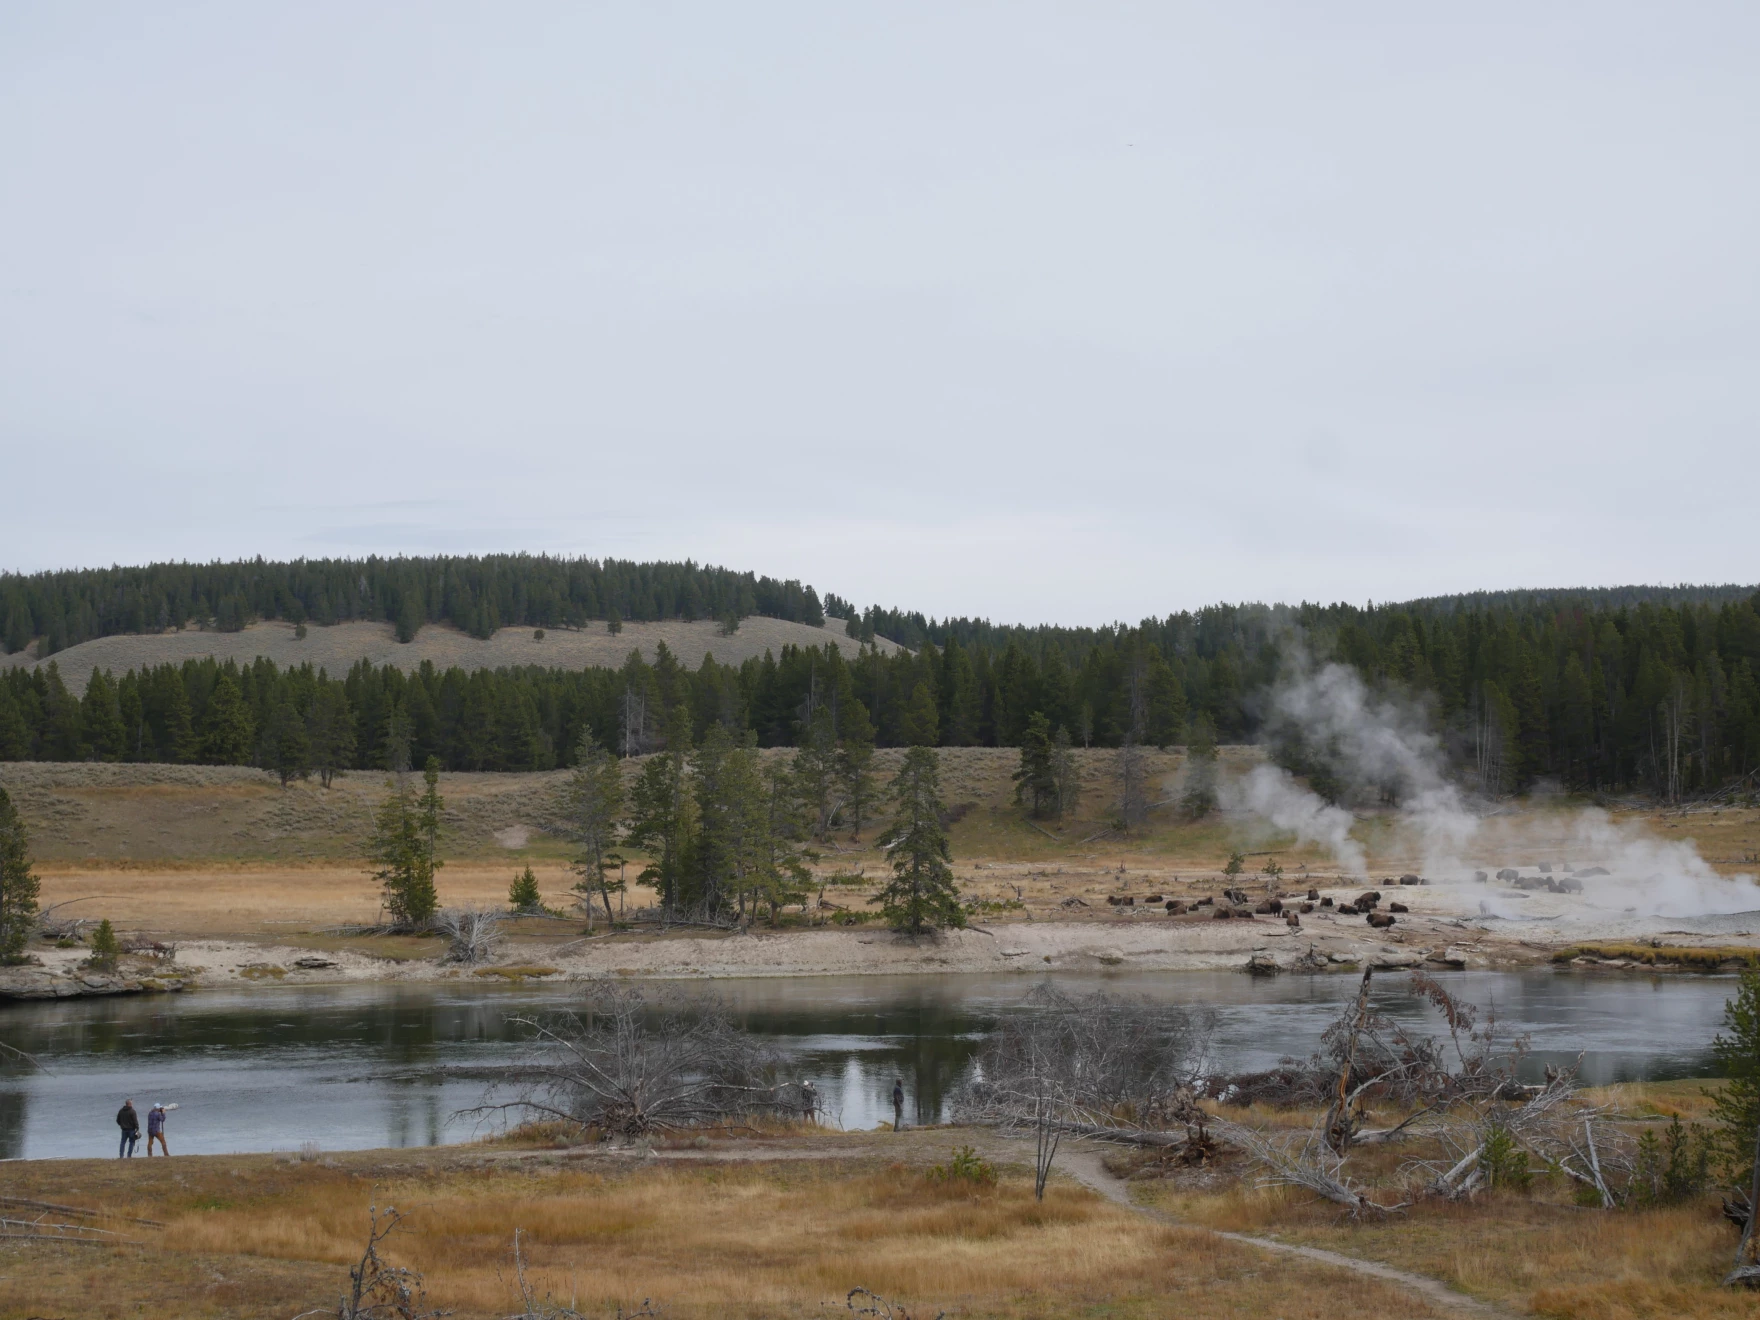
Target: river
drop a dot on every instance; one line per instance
(351, 1067)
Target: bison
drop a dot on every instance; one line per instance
(1380, 920)
(1398, 907)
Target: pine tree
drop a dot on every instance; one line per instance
(18, 885)
(855, 761)
(1199, 798)
(1737, 1104)
(921, 895)
(227, 736)
(1066, 776)
(660, 818)
(106, 948)
(404, 847)
(921, 722)
(1035, 780)
(15, 734)
(182, 745)
(330, 729)
(101, 718)
(424, 900)
(784, 873)
(815, 772)
(286, 750)
(523, 895)
(730, 818)
(595, 807)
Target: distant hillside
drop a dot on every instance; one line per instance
(475, 594)
(339, 647)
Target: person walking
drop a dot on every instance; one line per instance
(130, 1123)
(156, 1131)
(897, 1104)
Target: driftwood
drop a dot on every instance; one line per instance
(22, 1203)
(1305, 1160)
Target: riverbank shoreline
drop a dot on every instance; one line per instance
(1324, 943)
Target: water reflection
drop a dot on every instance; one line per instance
(361, 1066)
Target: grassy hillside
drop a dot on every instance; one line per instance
(159, 814)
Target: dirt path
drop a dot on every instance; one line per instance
(1083, 1164)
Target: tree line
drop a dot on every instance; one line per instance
(1662, 698)
(476, 593)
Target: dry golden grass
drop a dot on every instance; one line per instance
(1534, 1252)
(246, 1236)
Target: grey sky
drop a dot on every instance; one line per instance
(1045, 312)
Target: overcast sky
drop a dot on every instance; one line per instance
(1044, 312)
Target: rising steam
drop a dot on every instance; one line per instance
(1376, 747)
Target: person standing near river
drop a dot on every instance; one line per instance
(156, 1131)
(897, 1104)
(130, 1123)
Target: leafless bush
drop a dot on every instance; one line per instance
(627, 1065)
(475, 933)
(1089, 1066)
(378, 1291)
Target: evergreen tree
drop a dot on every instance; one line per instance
(784, 873)
(101, 718)
(286, 750)
(15, 734)
(424, 900)
(106, 948)
(330, 731)
(1199, 798)
(18, 885)
(660, 819)
(815, 770)
(182, 744)
(855, 761)
(227, 735)
(731, 842)
(1035, 782)
(404, 847)
(921, 895)
(1737, 1050)
(523, 895)
(595, 801)
(1066, 777)
(921, 723)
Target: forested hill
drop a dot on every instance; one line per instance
(1658, 697)
(477, 594)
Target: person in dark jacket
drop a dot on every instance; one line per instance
(898, 1104)
(130, 1123)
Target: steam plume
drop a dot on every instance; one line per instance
(1376, 746)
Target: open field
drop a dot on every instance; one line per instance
(339, 647)
(743, 1229)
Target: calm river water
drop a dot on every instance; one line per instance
(364, 1066)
